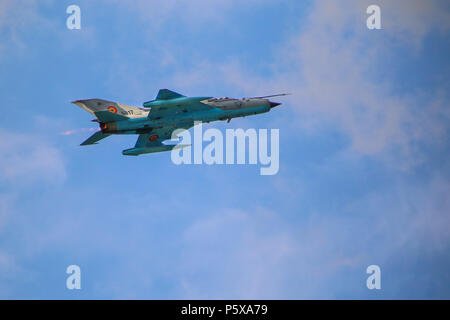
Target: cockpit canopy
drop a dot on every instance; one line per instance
(221, 99)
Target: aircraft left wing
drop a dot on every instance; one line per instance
(152, 141)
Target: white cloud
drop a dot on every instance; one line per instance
(332, 75)
(411, 20)
(261, 254)
(15, 18)
(29, 158)
(6, 204)
(19, 18)
(332, 70)
(234, 254)
(194, 12)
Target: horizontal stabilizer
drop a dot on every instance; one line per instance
(158, 148)
(107, 116)
(94, 138)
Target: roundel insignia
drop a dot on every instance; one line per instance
(153, 137)
(112, 109)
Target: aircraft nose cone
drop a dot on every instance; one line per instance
(274, 104)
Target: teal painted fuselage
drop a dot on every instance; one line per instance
(160, 117)
(181, 120)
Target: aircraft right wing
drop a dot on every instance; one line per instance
(162, 111)
(169, 103)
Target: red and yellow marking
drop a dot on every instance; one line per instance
(153, 137)
(112, 109)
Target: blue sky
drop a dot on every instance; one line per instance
(364, 169)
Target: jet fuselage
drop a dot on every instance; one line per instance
(225, 109)
(159, 118)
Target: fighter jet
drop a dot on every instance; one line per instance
(155, 122)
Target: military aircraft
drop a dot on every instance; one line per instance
(160, 117)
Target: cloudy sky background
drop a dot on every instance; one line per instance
(364, 151)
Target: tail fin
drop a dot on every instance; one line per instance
(95, 105)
